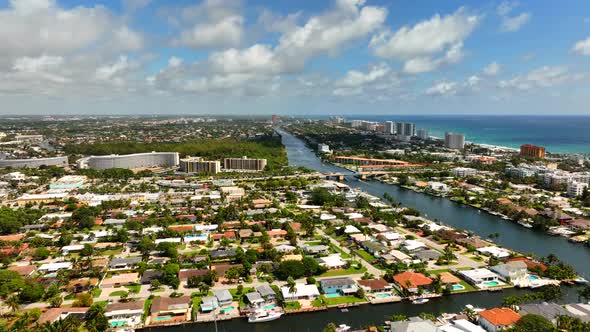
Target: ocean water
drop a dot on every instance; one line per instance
(558, 134)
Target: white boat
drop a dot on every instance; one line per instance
(420, 300)
(260, 316)
(580, 280)
(525, 224)
(342, 328)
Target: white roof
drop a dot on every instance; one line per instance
(353, 215)
(327, 216)
(392, 236)
(332, 261)
(478, 274)
(170, 239)
(206, 227)
(379, 227)
(467, 326)
(349, 229)
(73, 247)
(302, 291)
(413, 244)
(56, 266)
(495, 251)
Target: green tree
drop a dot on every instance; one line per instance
(331, 327)
(95, 319)
(533, 323)
(10, 281)
(83, 300)
(41, 253)
(13, 303)
(87, 251)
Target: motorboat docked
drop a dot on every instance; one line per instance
(342, 328)
(525, 224)
(261, 315)
(580, 280)
(420, 300)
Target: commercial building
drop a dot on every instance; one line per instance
(324, 148)
(454, 141)
(29, 138)
(463, 171)
(244, 164)
(575, 189)
(423, 134)
(131, 161)
(368, 161)
(34, 162)
(533, 151)
(275, 119)
(68, 182)
(198, 165)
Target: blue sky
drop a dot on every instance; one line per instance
(294, 57)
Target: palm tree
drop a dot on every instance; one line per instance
(204, 288)
(12, 303)
(291, 285)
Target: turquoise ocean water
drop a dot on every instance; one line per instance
(558, 134)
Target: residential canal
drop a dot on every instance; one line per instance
(512, 236)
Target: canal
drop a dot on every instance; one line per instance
(511, 235)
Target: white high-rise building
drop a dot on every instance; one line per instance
(575, 189)
(423, 134)
(389, 127)
(454, 141)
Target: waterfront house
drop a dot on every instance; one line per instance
(223, 297)
(125, 313)
(170, 309)
(474, 241)
(374, 285)
(302, 291)
(209, 303)
(414, 324)
(55, 314)
(266, 292)
(411, 281)
(511, 271)
(498, 319)
(448, 278)
(480, 277)
(494, 251)
(462, 325)
(343, 286)
(548, 310)
(254, 298)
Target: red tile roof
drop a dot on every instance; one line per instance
(374, 284)
(415, 279)
(500, 316)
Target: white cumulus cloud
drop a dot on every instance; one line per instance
(582, 47)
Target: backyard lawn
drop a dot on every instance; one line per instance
(365, 255)
(343, 272)
(342, 300)
(134, 289)
(292, 305)
(119, 293)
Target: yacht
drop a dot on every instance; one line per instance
(420, 300)
(525, 224)
(342, 328)
(262, 315)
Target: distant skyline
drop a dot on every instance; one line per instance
(294, 57)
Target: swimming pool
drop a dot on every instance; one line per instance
(162, 318)
(457, 287)
(383, 295)
(118, 323)
(491, 283)
(269, 306)
(331, 295)
(227, 309)
(533, 277)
